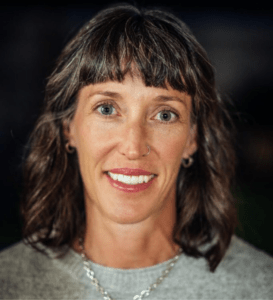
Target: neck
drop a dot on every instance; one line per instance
(129, 246)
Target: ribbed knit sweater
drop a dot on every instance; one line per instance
(244, 273)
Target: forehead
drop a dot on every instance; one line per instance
(133, 86)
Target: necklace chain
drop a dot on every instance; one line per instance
(145, 293)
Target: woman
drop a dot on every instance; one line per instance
(128, 174)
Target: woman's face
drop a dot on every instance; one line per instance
(113, 124)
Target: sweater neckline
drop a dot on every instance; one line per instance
(116, 279)
(77, 256)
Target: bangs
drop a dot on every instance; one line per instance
(137, 44)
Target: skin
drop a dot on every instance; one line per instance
(130, 230)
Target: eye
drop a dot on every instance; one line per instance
(166, 115)
(105, 109)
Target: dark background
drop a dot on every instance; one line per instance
(239, 42)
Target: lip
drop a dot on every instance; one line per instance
(128, 188)
(132, 172)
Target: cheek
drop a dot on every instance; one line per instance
(92, 140)
(171, 144)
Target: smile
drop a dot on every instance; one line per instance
(130, 183)
(131, 180)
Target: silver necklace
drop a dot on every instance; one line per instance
(145, 293)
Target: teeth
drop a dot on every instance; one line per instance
(133, 180)
(120, 177)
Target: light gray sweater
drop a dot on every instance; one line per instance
(244, 273)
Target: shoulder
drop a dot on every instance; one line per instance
(21, 266)
(244, 273)
(15, 253)
(29, 274)
(247, 270)
(22, 258)
(17, 259)
(247, 257)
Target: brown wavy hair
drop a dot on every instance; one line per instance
(163, 50)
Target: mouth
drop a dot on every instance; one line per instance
(130, 183)
(130, 179)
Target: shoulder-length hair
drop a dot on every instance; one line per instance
(164, 51)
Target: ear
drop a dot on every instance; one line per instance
(69, 132)
(191, 146)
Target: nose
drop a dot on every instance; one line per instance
(133, 144)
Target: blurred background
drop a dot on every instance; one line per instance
(239, 42)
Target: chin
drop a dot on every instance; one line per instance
(128, 216)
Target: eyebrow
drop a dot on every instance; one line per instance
(108, 94)
(170, 98)
(157, 99)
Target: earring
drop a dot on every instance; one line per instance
(187, 162)
(69, 149)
